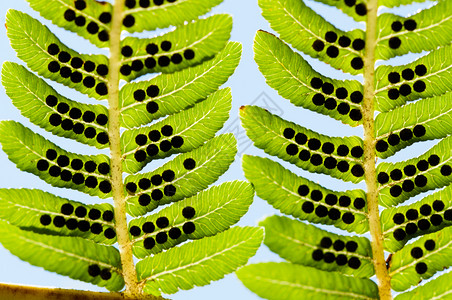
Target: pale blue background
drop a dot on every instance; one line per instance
(248, 86)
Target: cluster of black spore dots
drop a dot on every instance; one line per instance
(343, 41)
(169, 190)
(94, 271)
(360, 8)
(405, 135)
(330, 199)
(422, 220)
(73, 117)
(153, 137)
(417, 253)
(162, 223)
(405, 89)
(84, 224)
(340, 259)
(328, 148)
(92, 27)
(343, 108)
(60, 165)
(68, 67)
(152, 49)
(145, 3)
(410, 170)
(410, 25)
(152, 91)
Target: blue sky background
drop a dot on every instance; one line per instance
(248, 86)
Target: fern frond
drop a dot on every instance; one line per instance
(337, 157)
(402, 223)
(55, 113)
(398, 105)
(424, 31)
(33, 153)
(208, 259)
(45, 54)
(175, 115)
(74, 257)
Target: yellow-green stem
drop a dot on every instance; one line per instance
(125, 247)
(384, 283)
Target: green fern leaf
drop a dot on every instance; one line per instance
(45, 54)
(409, 82)
(184, 176)
(204, 37)
(308, 245)
(315, 257)
(74, 257)
(421, 259)
(428, 215)
(295, 282)
(45, 213)
(198, 262)
(33, 153)
(55, 113)
(338, 157)
(177, 91)
(289, 16)
(178, 111)
(297, 196)
(299, 83)
(424, 31)
(400, 181)
(426, 119)
(95, 15)
(210, 212)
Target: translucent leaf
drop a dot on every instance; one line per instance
(403, 180)
(423, 31)
(205, 214)
(421, 259)
(42, 212)
(288, 193)
(306, 31)
(69, 256)
(186, 46)
(90, 19)
(308, 245)
(428, 215)
(439, 288)
(184, 176)
(295, 80)
(355, 9)
(181, 132)
(428, 76)
(34, 154)
(272, 280)
(39, 102)
(334, 156)
(199, 262)
(43, 52)
(167, 13)
(426, 119)
(177, 91)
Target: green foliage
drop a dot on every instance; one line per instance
(406, 104)
(179, 111)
